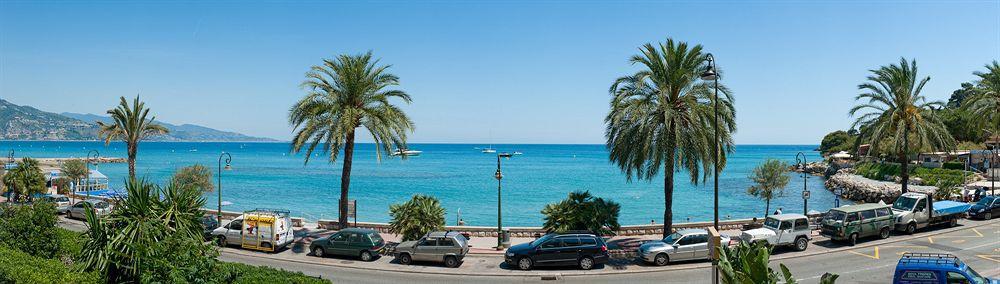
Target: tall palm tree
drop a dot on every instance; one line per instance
(985, 100)
(75, 170)
(130, 126)
(344, 94)
(662, 115)
(896, 116)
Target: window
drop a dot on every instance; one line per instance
(957, 278)
(801, 224)
(339, 237)
(429, 242)
(571, 241)
(852, 217)
(785, 225)
(882, 212)
(354, 238)
(919, 276)
(236, 225)
(588, 241)
(694, 239)
(376, 238)
(868, 214)
(700, 239)
(78, 205)
(446, 242)
(920, 206)
(555, 243)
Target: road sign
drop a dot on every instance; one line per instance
(805, 194)
(352, 208)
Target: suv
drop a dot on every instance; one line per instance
(363, 243)
(447, 247)
(582, 250)
(940, 268)
(858, 221)
(682, 245)
(782, 230)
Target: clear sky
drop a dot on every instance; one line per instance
(485, 71)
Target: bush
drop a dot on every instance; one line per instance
(877, 171)
(581, 211)
(241, 273)
(70, 243)
(195, 175)
(953, 166)
(417, 217)
(19, 267)
(30, 228)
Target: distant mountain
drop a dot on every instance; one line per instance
(27, 123)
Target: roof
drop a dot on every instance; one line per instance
(930, 260)
(860, 207)
(95, 174)
(783, 217)
(692, 231)
(440, 234)
(358, 230)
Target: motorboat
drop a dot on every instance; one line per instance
(406, 152)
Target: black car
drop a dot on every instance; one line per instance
(986, 208)
(208, 224)
(582, 250)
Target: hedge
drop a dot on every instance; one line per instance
(953, 166)
(230, 272)
(19, 267)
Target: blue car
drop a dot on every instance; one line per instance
(936, 268)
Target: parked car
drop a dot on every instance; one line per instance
(782, 230)
(79, 210)
(926, 268)
(447, 247)
(986, 208)
(858, 221)
(208, 224)
(260, 229)
(917, 210)
(61, 201)
(583, 250)
(689, 244)
(362, 243)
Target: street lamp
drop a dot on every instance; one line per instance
(710, 74)
(800, 159)
(499, 175)
(96, 155)
(229, 158)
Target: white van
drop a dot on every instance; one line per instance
(260, 229)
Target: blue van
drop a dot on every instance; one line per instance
(936, 268)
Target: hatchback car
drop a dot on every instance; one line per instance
(447, 247)
(686, 244)
(986, 208)
(362, 243)
(61, 202)
(583, 250)
(79, 210)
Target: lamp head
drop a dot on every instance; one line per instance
(228, 167)
(709, 73)
(498, 175)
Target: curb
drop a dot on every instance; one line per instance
(612, 272)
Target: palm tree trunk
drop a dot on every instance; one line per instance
(767, 208)
(345, 179)
(668, 182)
(904, 173)
(133, 149)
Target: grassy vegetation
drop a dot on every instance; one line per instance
(931, 176)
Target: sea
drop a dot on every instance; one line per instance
(268, 175)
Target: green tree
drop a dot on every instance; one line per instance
(770, 179)
(897, 114)
(196, 175)
(75, 170)
(30, 228)
(344, 94)
(582, 211)
(837, 141)
(747, 263)
(130, 126)
(26, 179)
(959, 96)
(985, 101)
(662, 116)
(417, 217)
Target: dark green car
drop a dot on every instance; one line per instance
(362, 243)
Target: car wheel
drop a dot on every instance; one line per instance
(451, 261)
(801, 244)
(586, 263)
(367, 256)
(661, 259)
(318, 251)
(405, 259)
(988, 216)
(953, 222)
(524, 263)
(884, 233)
(854, 239)
(911, 228)
(222, 241)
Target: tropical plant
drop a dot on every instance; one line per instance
(837, 141)
(196, 175)
(984, 104)
(897, 115)
(747, 263)
(62, 185)
(344, 94)
(130, 126)
(662, 116)
(770, 179)
(417, 217)
(946, 189)
(25, 180)
(74, 170)
(30, 228)
(152, 224)
(582, 211)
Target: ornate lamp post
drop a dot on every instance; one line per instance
(499, 175)
(96, 155)
(229, 158)
(800, 159)
(711, 75)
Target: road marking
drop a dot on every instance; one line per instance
(958, 241)
(931, 240)
(875, 256)
(995, 258)
(978, 235)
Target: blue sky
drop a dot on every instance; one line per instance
(480, 71)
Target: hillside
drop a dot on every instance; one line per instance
(28, 123)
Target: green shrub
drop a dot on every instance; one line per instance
(70, 242)
(30, 228)
(877, 171)
(241, 273)
(19, 267)
(582, 211)
(417, 217)
(953, 166)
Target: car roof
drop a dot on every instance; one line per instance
(442, 234)
(358, 230)
(930, 261)
(790, 216)
(93, 200)
(692, 231)
(860, 207)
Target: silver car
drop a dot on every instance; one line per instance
(79, 211)
(447, 247)
(60, 201)
(683, 245)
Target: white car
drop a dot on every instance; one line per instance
(79, 211)
(782, 230)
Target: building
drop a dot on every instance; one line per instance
(938, 159)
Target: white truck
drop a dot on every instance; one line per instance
(782, 230)
(916, 210)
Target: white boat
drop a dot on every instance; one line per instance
(489, 150)
(406, 152)
(518, 153)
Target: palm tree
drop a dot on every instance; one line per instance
(25, 180)
(770, 179)
(663, 116)
(582, 211)
(896, 116)
(131, 126)
(344, 94)
(75, 170)
(417, 217)
(985, 100)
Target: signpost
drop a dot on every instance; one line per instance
(352, 210)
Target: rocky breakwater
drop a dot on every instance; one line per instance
(814, 168)
(859, 188)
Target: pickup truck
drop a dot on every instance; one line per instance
(916, 210)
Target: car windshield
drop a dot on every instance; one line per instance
(541, 240)
(985, 201)
(376, 238)
(836, 215)
(672, 238)
(771, 223)
(101, 205)
(904, 203)
(62, 199)
(976, 278)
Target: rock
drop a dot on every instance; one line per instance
(813, 168)
(859, 188)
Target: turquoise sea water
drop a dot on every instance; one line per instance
(266, 175)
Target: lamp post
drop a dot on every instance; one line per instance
(95, 154)
(499, 175)
(800, 159)
(229, 158)
(710, 74)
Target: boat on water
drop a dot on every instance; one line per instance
(406, 152)
(516, 153)
(505, 155)
(489, 150)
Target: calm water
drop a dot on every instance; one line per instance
(266, 175)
